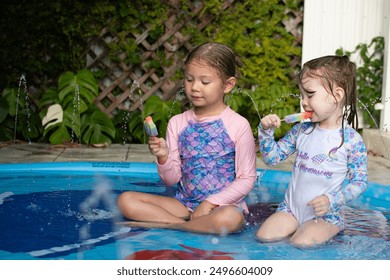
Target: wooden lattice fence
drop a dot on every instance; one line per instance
(117, 88)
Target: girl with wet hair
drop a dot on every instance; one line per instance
(328, 150)
(209, 152)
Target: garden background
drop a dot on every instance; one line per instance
(108, 64)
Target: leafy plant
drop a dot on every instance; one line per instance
(80, 119)
(62, 130)
(160, 110)
(265, 49)
(67, 26)
(17, 110)
(369, 77)
(253, 105)
(255, 31)
(96, 127)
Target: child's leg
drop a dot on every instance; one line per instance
(222, 220)
(314, 232)
(152, 208)
(276, 227)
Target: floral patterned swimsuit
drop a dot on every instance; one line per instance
(320, 167)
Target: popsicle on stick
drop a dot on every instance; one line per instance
(297, 117)
(150, 127)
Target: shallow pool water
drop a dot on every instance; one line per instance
(67, 211)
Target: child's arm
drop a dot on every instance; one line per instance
(275, 152)
(158, 148)
(357, 175)
(204, 208)
(270, 121)
(170, 171)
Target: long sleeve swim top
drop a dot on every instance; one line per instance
(320, 165)
(212, 158)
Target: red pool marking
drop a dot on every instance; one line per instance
(168, 254)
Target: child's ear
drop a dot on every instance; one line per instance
(229, 84)
(339, 94)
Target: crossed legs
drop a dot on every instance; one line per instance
(167, 212)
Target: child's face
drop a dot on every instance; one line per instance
(316, 98)
(204, 88)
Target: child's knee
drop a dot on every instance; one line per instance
(305, 239)
(260, 235)
(270, 233)
(232, 220)
(264, 235)
(124, 200)
(314, 234)
(301, 241)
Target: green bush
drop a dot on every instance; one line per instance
(255, 31)
(69, 114)
(369, 77)
(161, 111)
(46, 39)
(18, 119)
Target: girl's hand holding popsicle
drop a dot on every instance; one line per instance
(273, 120)
(157, 146)
(270, 121)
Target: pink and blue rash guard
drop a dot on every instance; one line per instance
(212, 158)
(320, 167)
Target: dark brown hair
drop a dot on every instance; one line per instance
(216, 55)
(335, 71)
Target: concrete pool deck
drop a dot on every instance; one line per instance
(10, 152)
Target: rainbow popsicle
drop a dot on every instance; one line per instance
(297, 117)
(150, 127)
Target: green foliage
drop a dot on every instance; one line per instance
(253, 28)
(120, 121)
(369, 77)
(278, 99)
(83, 82)
(81, 119)
(96, 127)
(65, 131)
(44, 38)
(130, 17)
(260, 40)
(3, 109)
(16, 109)
(7, 115)
(161, 111)
(265, 49)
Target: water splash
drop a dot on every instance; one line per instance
(283, 98)
(253, 101)
(126, 119)
(90, 210)
(22, 86)
(178, 95)
(365, 107)
(76, 116)
(28, 112)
